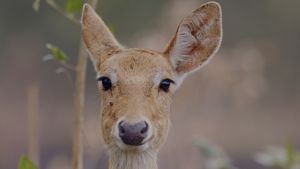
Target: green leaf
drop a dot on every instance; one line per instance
(26, 163)
(57, 54)
(36, 5)
(291, 154)
(73, 6)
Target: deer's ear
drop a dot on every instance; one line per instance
(97, 38)
(197, 39)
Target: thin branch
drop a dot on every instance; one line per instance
(68, 66)
(67, 73)
(33, 132)
(55, 6)
(77, 156)
(69, 77)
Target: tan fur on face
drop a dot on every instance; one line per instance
(136, 75)
(135, 96)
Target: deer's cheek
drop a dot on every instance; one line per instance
(164, 104)
(105, 133)
(108, 121)
(161, 132)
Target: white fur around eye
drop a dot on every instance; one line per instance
(111, 74)
(157, 78)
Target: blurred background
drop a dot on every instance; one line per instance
(247, 98)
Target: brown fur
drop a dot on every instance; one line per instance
(136, 74)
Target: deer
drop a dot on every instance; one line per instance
(137, 85)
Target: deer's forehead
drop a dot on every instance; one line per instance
(140, 63)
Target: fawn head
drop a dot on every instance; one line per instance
(136, 85)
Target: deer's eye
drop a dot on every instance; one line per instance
(106, 83)
(165, 84)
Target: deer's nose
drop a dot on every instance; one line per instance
(133, 134)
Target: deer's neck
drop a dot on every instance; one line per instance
(132, 160)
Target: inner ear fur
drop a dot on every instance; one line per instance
(197, 39)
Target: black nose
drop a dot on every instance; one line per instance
(133, 134)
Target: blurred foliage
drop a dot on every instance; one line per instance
(216, 158)
(284, 157)
(74, 6)
(26, 163)
(56, 53)
(36, 5)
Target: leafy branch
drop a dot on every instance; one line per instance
(26, 163)
(70, 11)
(71, 7)
(283, 157)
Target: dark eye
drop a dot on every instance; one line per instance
(165, 84)
(106, 83)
